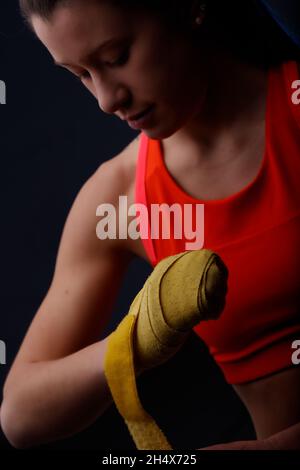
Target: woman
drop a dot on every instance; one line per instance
(211, 108)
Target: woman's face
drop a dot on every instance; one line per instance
(129, 61)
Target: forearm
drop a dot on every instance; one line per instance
(49, 400)
(288, 439)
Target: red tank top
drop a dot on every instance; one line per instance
(256, 231)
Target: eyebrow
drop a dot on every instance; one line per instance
(105, 44)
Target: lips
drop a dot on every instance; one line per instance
(141, 120)
(135, 117)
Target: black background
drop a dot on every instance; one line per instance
(52, 138)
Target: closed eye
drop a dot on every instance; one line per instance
(122, 59)
(84, 76)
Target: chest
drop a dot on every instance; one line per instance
(217, 174)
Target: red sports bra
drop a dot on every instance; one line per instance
(256, 231)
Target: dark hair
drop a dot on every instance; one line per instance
(243, 26)
(45, 8)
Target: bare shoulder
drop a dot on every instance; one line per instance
(117, 177)
(112, 179)
(123, 164)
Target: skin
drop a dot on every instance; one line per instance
(128, 89)
(216, 122)
(221, 118)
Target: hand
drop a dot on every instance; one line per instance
(181, 291)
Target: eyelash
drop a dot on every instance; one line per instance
(117, 63)
(83, 76)
(121, 60)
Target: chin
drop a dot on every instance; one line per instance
(158, 133)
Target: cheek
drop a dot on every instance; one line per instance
(157, 80)
(176, 91)
(163, 70)
(185, 86)
(152, 70)
(170, 75)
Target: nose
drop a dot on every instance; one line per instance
(111, 95)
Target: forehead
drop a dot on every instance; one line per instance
(77, 28)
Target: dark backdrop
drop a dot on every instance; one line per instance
(52, 138)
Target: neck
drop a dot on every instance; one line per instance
(235, 98)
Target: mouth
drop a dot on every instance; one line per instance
(140, 120)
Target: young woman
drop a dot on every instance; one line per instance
(218, 126)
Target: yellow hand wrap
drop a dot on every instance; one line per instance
(181, 291)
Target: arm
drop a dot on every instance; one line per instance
(288, 439)
(56, 385)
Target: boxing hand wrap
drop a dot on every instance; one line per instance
(181, 291)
